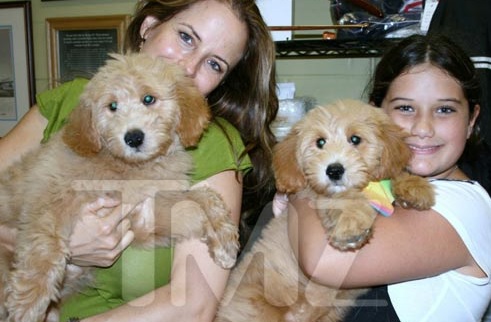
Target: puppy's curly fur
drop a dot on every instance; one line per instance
(329, 156)
(126, 138)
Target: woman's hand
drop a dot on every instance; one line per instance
(100, 234)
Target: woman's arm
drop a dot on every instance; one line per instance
(23, 137)
(408, 245)
(197, 283)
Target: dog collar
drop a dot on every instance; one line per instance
(379, 194)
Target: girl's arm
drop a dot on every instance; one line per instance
(408, 245)
(197, 283)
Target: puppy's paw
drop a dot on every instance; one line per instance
(347, 242)
(349, 225)
(220, 233)
(225, 254)
(412, 191)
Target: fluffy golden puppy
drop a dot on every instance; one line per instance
(126, 138)
(329, 156)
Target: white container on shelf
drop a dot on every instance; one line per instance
(289, 112)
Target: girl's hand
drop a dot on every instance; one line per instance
(100, 234)
(280, 203)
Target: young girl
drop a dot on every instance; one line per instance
(226, 48)
(436, 263)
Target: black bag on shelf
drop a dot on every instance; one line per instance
(384, 18)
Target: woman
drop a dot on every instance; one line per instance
(436, 263)
(226, 48)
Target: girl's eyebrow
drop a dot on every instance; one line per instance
(195, 34)
(454, 100)
(401, 99)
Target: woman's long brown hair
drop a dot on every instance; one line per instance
(246, 98)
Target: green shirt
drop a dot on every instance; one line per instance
(137, 271)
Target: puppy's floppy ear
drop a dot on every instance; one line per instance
(396, 153)
(80, 133)
(288, 174)
(195, 113)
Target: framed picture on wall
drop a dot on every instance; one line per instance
(17, 87)
(78, 46)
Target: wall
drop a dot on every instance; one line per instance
(323, 79)
(66, 8)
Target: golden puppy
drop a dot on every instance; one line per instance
(330, 156)
(125, 138)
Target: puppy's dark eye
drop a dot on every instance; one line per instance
(148, 100)
(355, 139)
(320, 143)
(113, 106)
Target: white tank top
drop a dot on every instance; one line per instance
(453, 297)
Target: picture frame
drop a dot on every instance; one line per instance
(17, 82)
(78, 46)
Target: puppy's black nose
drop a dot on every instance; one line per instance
(335, 171)
(134, 138)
